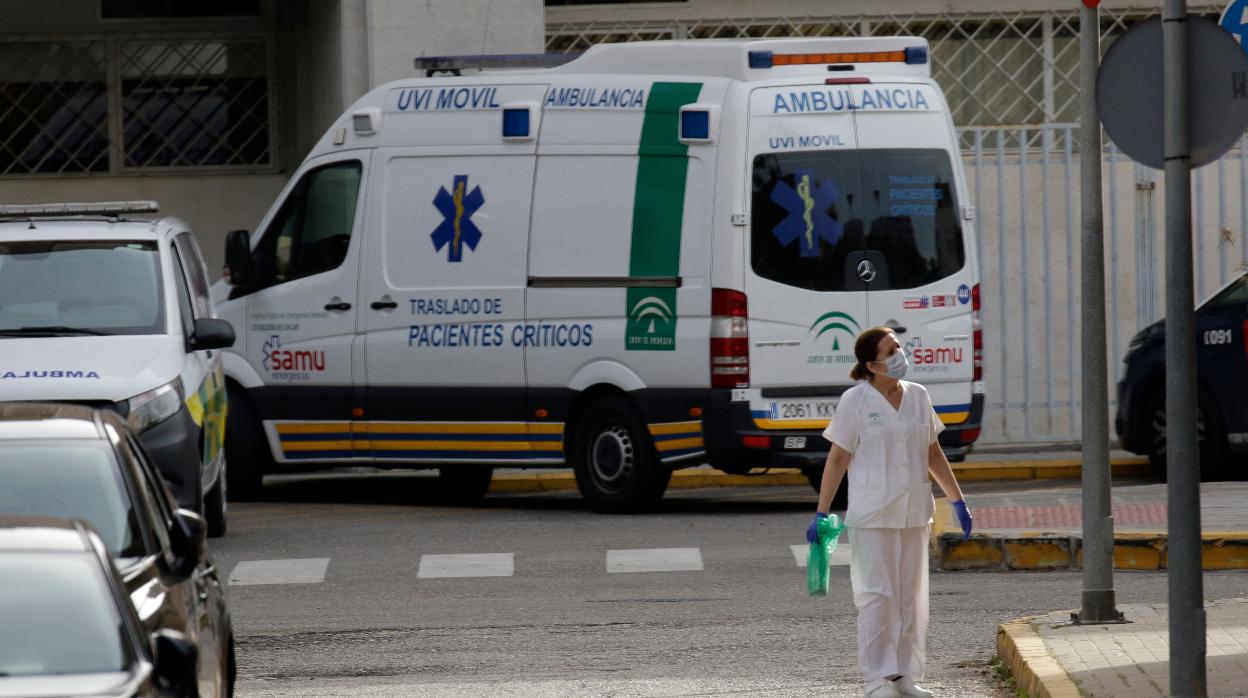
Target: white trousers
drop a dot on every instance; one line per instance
(888, 569)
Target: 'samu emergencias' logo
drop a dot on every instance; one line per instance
(457, 228)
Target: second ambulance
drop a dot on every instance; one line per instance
(654, 256)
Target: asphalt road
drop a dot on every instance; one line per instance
(555, 620)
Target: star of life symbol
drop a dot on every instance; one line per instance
(807, 205)
(274, 342)
(457, 228)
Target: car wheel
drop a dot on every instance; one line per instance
(1208, 433)
(465, 483)
(246, 448)
(617, 467)
(840, 500)
(214, 506)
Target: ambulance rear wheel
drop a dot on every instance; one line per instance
(617, 467)
(246, 448)
(465, 483)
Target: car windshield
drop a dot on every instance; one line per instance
(87, 287)
(71, 479)
(57, 616)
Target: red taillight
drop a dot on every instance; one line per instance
(756, 441)
(730, 339)
(977, 339)
(968, 436)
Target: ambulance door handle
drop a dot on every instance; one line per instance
(383, 305)
(338, 306)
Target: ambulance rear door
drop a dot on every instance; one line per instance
(807, 217)
(918, 252)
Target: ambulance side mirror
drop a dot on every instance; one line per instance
(239, 270)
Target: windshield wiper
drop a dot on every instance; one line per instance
(50, 331)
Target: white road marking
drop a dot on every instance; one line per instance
(840, 556)
(471, 565)
(300, 571)
(655, 560)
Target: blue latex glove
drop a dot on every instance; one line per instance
(812, 531)
(964, 518)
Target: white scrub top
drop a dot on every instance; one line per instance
(888, 484)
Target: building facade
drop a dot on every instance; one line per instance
(207, 106)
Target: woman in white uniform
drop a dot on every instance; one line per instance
(884, 434)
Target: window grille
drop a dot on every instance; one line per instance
(996, 68)
(187, 103)
(53, 107)
(124, 104)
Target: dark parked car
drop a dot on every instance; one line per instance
(67, 627)
(1222, 384)
(72, 461)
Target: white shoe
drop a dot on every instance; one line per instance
(905, 686)
(880, 688)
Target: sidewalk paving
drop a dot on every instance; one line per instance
(1041, 528)
(1051, 657)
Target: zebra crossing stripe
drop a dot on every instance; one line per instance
(655, 560)
(298, 571)
(467, 565)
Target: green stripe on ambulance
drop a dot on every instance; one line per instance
(658, 215)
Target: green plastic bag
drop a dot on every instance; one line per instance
(820, 555)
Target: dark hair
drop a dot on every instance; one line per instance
(866, 348)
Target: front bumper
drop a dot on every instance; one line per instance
(174, 447)
(729, 426)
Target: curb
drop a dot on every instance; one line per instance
(1034, 669)
(1040, 550)
(790, 477)
(560, 481)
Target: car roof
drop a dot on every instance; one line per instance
(36, 420)
(89, 228)
(42, 534)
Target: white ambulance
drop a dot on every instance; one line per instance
(103, 305)
(654, 256)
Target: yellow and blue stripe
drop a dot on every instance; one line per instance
(675, 440)
(949, 414)
(418, 441)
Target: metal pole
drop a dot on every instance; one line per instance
(1187, 614)
(1098, 522)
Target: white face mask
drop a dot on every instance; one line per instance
(897, 365)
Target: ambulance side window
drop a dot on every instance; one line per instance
(312, 230)
(196, 274)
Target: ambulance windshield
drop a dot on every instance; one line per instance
(63, 287)
(817, 214)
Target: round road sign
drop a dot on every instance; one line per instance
(1129, 95)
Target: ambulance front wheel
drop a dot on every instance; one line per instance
(246, 448)
(617, 467)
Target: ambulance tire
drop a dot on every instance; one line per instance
(464, 484)
(214, 507)
(246, 448)
(840, 500)
(617, 467)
